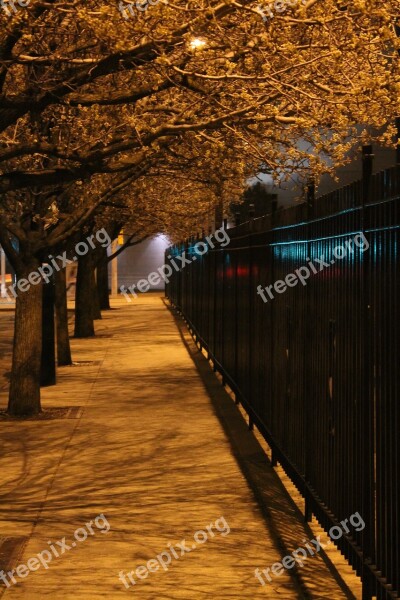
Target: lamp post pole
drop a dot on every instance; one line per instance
(3, 273)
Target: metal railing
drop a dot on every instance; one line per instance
(317, 367)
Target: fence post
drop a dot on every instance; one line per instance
(307, 398)
(367, 168)
(251, 298)
(271, 319)
(367, 427)
(310, 197)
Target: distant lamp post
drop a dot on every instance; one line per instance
(3, 273)
(197, 44)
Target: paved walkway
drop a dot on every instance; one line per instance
(148, 452)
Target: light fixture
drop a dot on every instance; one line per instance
(197, 43)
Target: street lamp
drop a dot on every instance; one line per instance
(197, 43)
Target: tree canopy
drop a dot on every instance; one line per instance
(85, 91)
(154, 119)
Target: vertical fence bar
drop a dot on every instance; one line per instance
(307, 355)
(368, 434)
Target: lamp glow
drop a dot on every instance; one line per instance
(197, 43)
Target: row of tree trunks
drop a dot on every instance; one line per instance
(91, 291)
(34, 357)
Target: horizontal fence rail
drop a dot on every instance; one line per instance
(316, 366)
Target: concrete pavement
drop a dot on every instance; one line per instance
(145, 455)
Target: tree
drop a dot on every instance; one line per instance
(64, 357)
(88, 97)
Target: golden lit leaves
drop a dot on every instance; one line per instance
(201, 79)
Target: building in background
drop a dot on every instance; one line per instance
(293, 191)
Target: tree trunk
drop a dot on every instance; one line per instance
(63, 346)
(48, 359)
(102, 280)
(24, 396)
(84, 326)
(95, 296)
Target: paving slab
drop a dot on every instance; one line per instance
(144, 465)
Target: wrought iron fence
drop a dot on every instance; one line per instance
(316, 367)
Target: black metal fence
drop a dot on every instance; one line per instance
(316, 367)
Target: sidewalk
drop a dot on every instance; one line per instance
(147, 450)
